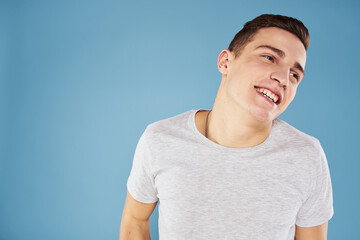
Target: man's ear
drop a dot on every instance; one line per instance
(223, 61)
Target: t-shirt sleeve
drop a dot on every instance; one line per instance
(141, 184)
(318, 208)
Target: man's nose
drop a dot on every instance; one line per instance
(281, 75)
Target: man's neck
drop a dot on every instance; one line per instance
(236, 130)
(231, 129)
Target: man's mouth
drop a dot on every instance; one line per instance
(269, 94)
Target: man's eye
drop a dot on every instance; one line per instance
(270, 58)
(295, 76)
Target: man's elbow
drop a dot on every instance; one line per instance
(131, 229)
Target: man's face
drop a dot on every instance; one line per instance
(264, 78)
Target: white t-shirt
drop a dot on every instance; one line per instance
(209, 191)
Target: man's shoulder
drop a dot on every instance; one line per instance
(292, 135)
(170, 121)
(170, 125)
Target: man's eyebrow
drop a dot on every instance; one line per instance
(299, 67)
(281, 54)
(274, 49)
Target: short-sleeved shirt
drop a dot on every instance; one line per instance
(209, 191)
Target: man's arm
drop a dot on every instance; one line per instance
(311, 233)
(135, 219)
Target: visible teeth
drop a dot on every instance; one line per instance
(268, 94)
(276, 99)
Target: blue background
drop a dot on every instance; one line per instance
(80, 80)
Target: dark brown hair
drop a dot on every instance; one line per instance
(250, 28)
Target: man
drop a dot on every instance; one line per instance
(236, 171)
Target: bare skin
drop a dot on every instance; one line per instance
(135, 219)
(241, 117)
(311, 233)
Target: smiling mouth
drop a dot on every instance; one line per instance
(270, 95)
